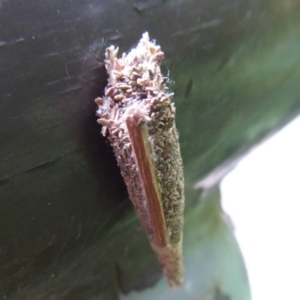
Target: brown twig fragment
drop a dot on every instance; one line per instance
(138, 116)
(138, 135)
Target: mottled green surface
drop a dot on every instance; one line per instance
(213, 264)
(240, 93)
(67, 228)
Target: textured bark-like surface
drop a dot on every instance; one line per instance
(68, 230)
(137, 114)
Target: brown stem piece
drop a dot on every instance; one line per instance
(138, 135)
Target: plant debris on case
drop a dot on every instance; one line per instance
(137, 115)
